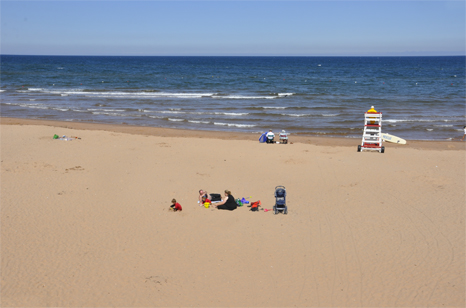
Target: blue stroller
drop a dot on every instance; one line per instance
(280, 200)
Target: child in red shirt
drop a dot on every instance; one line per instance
(175, 206)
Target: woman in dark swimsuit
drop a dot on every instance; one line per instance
(228, 203)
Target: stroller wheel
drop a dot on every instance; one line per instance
(285, 211)
(275, 210)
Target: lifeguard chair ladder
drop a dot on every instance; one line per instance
(372, 135)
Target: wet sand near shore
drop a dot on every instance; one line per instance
(86, 222)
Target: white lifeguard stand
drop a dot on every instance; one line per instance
(372, 135)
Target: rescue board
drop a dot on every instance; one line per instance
(393, 139)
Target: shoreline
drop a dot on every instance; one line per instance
(455, 144)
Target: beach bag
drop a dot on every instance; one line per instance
(255, 206)
(239, 202)
(215, 197)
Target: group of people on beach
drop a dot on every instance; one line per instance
(228, 202)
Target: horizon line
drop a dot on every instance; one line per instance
(302, 56)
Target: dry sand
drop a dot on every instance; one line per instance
(86, 222)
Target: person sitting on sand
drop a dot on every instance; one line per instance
(464, 134)
(228, 203)
(211, 197)
(175, 206)
(202, 194)
(270, 136)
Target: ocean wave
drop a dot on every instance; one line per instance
(243, 97)
(169, 112)
(296, 115)
(269, 107)
(235, 125)
(231, 113)
(404, 120)
(114, 114)
(285, 94)
(330, 115)
(198, 122)
(175, 120)
(117, 94)
(107, 110)
(2, 91)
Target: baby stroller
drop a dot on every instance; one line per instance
(280, 200)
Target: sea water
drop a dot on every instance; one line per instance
(420, 97)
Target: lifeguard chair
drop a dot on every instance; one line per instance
(372, 135)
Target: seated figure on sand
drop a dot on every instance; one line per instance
(270, 136)
(175, 206)
(283, 137)
(211, 197)
(228, 203)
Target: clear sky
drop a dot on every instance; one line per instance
(230, 28)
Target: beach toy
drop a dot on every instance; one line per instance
(244, 201)
(206, 205)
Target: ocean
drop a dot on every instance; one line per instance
(421, 98)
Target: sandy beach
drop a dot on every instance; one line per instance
(85, 223)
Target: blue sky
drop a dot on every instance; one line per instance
(233, 28)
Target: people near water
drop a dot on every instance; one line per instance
(270, 136)
(283, 137)
(464, 133)
(175, 206)
(228, 203)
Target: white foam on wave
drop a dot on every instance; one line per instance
(330, 115)
(114, 114)
(119, 94)
(170, 112)
(198, 122)
(404, 120)
(235, 125)
(295, 115)
(106, 110)
(2, 91)
(443, 125)
(35, 89)
(268, 107)
(244, 97)
(429, 129)
(285, 94)
(232, 113)
(175, 120)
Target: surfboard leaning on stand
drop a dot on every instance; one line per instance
(393, 139)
